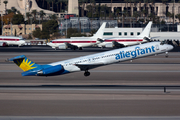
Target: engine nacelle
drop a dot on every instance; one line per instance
(4, 44)
(63, 46)
(54, 70)
(49, 71)
(109, 45)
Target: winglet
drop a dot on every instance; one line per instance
(146, 31)
(100, 32)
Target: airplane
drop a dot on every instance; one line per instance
(88, 62)
(119, 42)
(78, 42)
(10, 40)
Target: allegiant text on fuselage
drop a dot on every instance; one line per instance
(135, 53)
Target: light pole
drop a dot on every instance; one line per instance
(25, 19)
(66, 23)
(174, 14)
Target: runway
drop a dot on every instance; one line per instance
(117, 91)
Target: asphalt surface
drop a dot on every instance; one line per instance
(128, 90)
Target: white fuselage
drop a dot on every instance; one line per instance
(12, 40)
(79, 42)
(114, 56)
(126, 41)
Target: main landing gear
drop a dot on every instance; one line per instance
(86, 73)
(166, 54)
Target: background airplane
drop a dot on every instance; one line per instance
(86, 63)
(9, 40)
(78, 42)
(120, 42)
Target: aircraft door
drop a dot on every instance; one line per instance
(157, 47)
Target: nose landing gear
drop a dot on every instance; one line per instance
(166, 54)
(86, 73)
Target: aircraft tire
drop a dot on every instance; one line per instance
(86, 73)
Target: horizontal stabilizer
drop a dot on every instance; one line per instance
(17, 57)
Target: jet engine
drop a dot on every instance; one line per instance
(49, 71)
(63, 46)
(54, 70)
(3, 44)
(109, 45)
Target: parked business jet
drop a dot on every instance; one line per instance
(78, 42)
(88, 62)
(9, 40)
(119, 42)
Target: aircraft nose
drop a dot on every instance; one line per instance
(170, 47)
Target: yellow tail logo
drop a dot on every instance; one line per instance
(25, 64)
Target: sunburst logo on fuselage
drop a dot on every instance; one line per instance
(26, 65)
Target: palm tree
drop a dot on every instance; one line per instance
(60, 1)
(43, 3)
(54, 17)
(136, 14)
(178, 17)
(139, 5)
(117, 12)
(28, 14)
(48, 4)
(52, 1)
(5, 2)
(83, 5)
(57, 3)
(14, 10)
(42, 14)
(111, 4)
(66, 4)
(34, 12)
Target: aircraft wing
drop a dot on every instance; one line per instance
(118, 45)
(88, 66)
(71, 46)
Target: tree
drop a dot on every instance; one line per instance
(14, 10)
(9, 11)
(48, 3)
(73, 32)
(82, 2)
(60, 1)
(57, 3)
(34, 12)
(178, 17)
(18, 19)
(53, 17)
(136, 14)
(28, 15)
(37, 33)
(43, 3)
(5, 2)
(50, 27)
(42, 14)
(15, 33)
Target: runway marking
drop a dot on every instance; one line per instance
(107, 71)
(90, 117)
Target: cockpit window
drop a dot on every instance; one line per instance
(163, 42)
